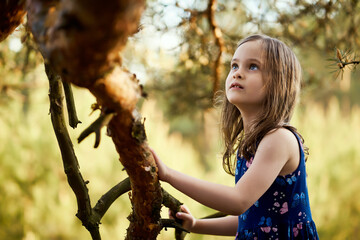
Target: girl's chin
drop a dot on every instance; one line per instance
(242, 105)
(235, 100)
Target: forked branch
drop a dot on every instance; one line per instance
(69, 158)
(90, 217)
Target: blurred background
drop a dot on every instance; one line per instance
(181, 56)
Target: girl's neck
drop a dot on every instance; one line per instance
(247, 121)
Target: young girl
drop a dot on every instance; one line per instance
(270, 199)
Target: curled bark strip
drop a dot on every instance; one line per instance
(11, 15)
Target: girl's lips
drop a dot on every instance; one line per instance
(236, 85)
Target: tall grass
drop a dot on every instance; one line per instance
(333, 135)
(37, 203)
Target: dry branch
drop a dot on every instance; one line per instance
(108, 198)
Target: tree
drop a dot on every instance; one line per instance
(59, 28)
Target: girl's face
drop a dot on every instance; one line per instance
(245, 84)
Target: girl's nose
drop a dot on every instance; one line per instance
(237, 74)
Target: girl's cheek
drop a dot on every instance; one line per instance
(227, 81)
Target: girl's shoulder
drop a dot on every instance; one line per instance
(280, 142)
(286, 143)
(280, 137)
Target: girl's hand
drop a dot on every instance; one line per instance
(162, 168)
(188, 220)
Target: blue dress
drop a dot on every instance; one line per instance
(283, 211)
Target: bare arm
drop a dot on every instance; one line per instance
(273, 153)
(224, 226)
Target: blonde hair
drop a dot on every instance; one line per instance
(282, 77)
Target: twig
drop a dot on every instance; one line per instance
(171, 223)
(70, 105)
(343, 59)
(95, 127)
(342, 64)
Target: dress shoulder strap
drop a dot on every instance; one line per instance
(299, 140)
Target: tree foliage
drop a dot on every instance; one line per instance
(188, 88)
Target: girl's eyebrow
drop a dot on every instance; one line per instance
(248, 59)
(254, 60)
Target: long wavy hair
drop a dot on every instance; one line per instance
(282, 78)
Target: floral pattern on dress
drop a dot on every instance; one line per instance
(283, 212)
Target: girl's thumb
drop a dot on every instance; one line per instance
(182, 216)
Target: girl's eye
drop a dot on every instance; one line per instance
(234, 66)
(253, 67)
